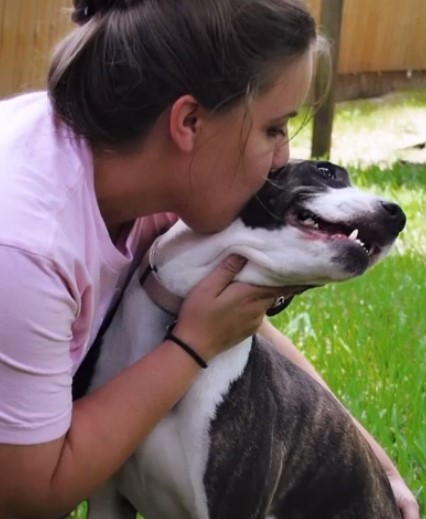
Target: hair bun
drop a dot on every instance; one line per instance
(84, 10)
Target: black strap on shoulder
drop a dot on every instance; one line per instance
(84, 374)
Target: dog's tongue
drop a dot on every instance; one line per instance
(338, 237)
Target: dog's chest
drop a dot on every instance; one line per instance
(164, 478)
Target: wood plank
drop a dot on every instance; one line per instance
(383, 35)
(9, 43)
(25, 46)
(3, 50)
(41, 44)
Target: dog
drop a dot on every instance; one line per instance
(255, 436)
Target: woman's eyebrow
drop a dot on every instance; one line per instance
(288, 115)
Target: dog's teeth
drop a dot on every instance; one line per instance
(310, 221)
(353, 235)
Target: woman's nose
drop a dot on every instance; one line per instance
(281, 156)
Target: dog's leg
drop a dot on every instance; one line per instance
(107, 503)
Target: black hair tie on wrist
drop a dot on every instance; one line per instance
(170, 337)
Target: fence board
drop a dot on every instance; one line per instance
(29, 30)
(381, 35)
(377, 36)
(25, 43)
(9, 40)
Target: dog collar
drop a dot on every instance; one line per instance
(152, 285)
(171, 302)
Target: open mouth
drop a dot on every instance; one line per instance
(318, 228)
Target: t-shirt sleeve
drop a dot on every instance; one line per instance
(36, 315)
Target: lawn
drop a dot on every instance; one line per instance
(367, 337)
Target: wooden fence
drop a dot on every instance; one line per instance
(377, 36)
(381, 35)
(29, 29)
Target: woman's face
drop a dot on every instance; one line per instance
(239, 148)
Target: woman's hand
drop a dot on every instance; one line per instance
(219, 313)
(404, 497)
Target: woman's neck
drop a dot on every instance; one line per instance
(132, 185)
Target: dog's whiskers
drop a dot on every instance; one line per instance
(269, 180)
(267, 210)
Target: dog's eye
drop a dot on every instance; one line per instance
(328, 173)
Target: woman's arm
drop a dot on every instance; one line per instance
(404, 497)
(48, 479)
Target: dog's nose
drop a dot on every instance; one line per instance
(395, 215)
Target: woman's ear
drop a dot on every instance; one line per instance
(184, 122)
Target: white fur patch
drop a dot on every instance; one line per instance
(336, 205)
(164, 478)
(172, 461)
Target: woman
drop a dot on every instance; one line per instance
(154, 108)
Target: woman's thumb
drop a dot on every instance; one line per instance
(224, 273)
(232, 264)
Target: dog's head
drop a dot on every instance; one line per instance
(306, 226)
(315, 205)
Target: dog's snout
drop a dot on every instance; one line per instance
(395, 216)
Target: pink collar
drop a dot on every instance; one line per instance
(152, 285)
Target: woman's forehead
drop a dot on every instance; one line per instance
(289, 91)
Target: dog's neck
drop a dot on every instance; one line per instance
(175, 263)
(277, 257)
(183, 258)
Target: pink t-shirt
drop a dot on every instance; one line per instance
(59, 269)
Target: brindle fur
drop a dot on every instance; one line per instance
(304, 449)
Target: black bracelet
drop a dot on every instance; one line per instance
(170, 337)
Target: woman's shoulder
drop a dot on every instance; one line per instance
(31, 135)
(22, 117)
(45, 173)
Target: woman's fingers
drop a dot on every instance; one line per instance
(219, 312)
(405, 498)
(222, 275)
